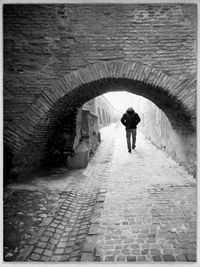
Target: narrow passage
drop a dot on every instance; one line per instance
(138, 206)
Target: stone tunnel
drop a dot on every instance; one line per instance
(58, 57)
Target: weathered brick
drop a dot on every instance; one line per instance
(48, 253)
(59, 251)
(56, 258)
(110, 258)
(157, 258)
(121, 258)
(30, 93)
(61, 245)
(65, 258)
(181, 258)
(87, 257)
(155, 252)
(131, 258)
(145, 251)
(90, 243)
(35, 257)
(45, 258)
(141, 258)
(38, 250)
(42, 244)
(168, 258)
(190, 257)
(93, 229)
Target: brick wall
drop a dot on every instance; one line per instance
(57, 57)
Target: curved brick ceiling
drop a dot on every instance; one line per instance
(175, 98)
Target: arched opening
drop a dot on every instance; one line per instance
(42, 121)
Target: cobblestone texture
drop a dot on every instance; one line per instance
(150, 207)
(23, 212)
(138, 207)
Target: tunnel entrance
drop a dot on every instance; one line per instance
(68, 94)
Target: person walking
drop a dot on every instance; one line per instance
(130, 120)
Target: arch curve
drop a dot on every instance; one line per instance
(176, 98)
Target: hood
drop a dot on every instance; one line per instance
(130, 111)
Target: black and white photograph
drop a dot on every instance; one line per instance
(99, 132)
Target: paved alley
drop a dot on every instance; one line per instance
(124, 207)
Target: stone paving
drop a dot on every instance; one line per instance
(150, 207)
(24, 210)
(30, 206)
(124, 207)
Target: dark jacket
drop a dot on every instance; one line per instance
(130, 119)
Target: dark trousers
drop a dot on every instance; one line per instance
(129, 133)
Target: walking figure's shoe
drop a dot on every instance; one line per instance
(129, 150)
(133, 147)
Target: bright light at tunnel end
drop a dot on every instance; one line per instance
(122, 100)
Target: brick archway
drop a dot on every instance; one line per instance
(175, 98)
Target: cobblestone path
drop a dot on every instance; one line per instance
(48, 218)
(138, 207)
(149, 211)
